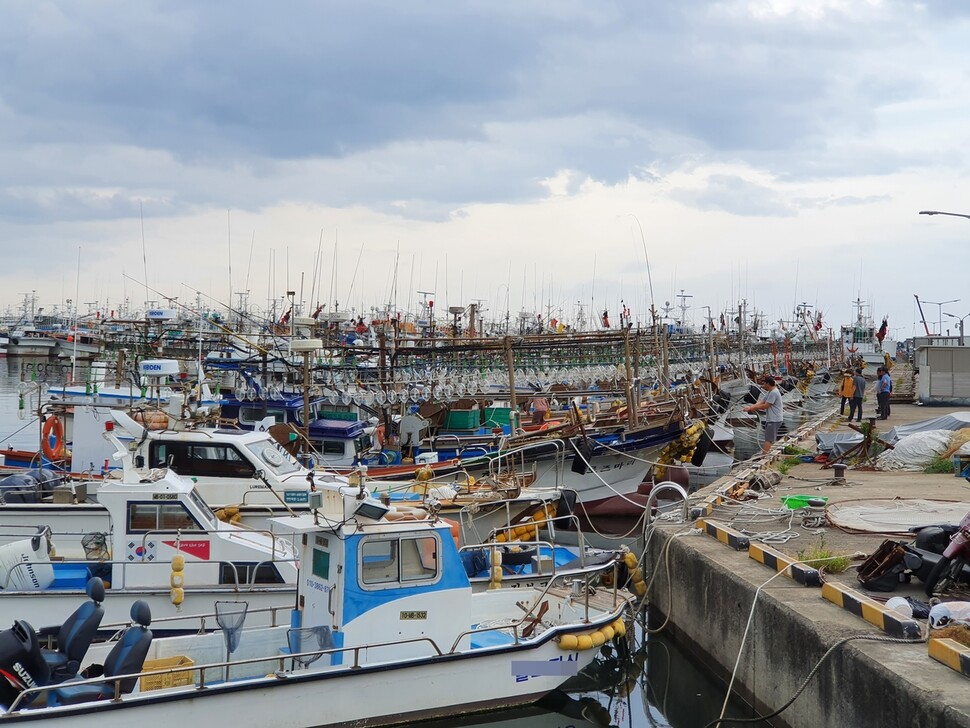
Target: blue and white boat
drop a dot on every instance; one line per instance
(386, 628)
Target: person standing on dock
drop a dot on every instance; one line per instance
(855, 404)
(884, 388)
(770, 401)
(845, 390)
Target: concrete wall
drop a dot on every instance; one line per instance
(861, 684)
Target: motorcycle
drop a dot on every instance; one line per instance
(955, 554)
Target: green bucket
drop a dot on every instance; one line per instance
(794, 502)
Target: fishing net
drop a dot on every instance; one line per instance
(308, 639)
(95, 546)
(230, 617)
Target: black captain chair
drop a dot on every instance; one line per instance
(126, 658)
(76, 634)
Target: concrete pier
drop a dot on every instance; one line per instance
(706, 586)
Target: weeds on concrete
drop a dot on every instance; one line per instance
(819, 557)
(940, 464)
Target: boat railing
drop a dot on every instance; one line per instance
(26, 696)
(125, 565)
(189, 620)
(574, 524)
(495, 463)
(581, 587)
(492, 546)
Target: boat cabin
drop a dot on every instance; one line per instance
(369, 573)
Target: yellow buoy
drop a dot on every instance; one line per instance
(598, 638)
(178, 595)
(568, 642)
(584, 642)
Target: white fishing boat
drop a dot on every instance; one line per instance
(386, 629)
(132, 536)
(244, 475)
(30, 342)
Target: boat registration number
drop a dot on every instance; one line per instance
(414, 615)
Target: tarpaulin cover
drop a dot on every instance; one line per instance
(915, 451)
(836, 444)
(952, 421)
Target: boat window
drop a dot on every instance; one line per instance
(273, 457)
(332, 447)
(321, 564)
(209, 459)
(419, 558)
(253, 415)
(240, 573)
(363, 443)
(398, 561)
(144, 517)
(379, 562)
(202, 508)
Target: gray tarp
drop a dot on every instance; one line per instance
(953, 421)
(836, 444)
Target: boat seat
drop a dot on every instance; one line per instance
(76, 634)
(126, 658)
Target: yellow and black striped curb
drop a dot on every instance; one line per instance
(804, 575)
(729, 536)
(890, 622)
(706, 508)
(951, 653)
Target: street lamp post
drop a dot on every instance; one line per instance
(938, 212)
(961, 320)
(941, 304)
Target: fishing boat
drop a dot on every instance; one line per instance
(387, 629)
(30, 342)
(137, 533)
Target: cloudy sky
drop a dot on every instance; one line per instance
(522, 154)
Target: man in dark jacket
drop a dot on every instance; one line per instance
(855, 404)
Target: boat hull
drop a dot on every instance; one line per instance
(340, 697)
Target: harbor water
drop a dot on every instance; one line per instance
(653, 682)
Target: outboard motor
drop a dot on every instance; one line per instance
(21, 664)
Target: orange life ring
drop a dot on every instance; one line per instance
(379, 434)
(53, 426)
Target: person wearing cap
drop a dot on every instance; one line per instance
(769, 402)
(846, 388)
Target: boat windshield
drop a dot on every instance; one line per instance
(203, 509)
(274, 457)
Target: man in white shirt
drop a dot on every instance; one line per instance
(769, 402)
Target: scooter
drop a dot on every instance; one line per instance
(956, 555)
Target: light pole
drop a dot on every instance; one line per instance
(937, 212)
(941, 304)
(960, 319)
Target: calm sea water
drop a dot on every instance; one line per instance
(654, 684)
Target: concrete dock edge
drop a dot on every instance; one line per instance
(711, 590)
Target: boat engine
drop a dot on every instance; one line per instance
(21, 664)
